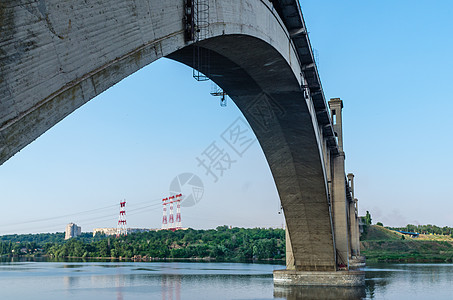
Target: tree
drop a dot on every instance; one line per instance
(368, 218)
(223, 243)
(380, 224)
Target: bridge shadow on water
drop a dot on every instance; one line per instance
(319, 292)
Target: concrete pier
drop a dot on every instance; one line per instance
(357, 262)
(351, 278)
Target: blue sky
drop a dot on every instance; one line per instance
(390, 62)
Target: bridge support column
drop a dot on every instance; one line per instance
(352, 228)
(356, 228)
(353, 222)
(340, 206)
(356, 261)
(290, 263)
(340, 212)
(343, 234)
(293, 277)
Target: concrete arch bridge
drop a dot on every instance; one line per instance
(56, 55)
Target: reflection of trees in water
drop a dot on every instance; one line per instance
(404, 276)
(319, 292)
(119, 282)
(70, 282)
(171, 286)
(119, 294)
(214, 286)
(428, 273)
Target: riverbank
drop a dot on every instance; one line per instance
(382, 245)
(378, 244)
(220, 244)
(45, 258)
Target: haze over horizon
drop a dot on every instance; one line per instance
(389, 62)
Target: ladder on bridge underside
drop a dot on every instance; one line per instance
(197, 29)
(201, 28)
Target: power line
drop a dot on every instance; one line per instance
(91, 211)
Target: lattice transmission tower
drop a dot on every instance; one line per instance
(122, 224)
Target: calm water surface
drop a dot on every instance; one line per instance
(180, 280)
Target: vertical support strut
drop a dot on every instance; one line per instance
(340, 205)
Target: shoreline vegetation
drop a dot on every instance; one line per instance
(378, 244)
(220, 244)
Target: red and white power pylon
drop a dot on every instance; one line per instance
(172, 225)
(164, 217)
(171, 219)
(178, 211)
(122, 225)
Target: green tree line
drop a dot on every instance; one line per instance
(425, 229)
(222, 243)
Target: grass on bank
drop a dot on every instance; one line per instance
(380, 244)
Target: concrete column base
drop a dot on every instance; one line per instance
(357, 262)
(316, 278)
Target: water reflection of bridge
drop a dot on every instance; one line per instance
(318, 292)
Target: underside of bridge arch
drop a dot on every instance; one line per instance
(265, 89)
(55, 57)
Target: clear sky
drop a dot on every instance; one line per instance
(389, 61)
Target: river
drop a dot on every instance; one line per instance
(36, 280)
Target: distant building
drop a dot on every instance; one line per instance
(72, 230)
(113, 231)
(106, 231)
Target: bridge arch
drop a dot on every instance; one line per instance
(60, 56)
